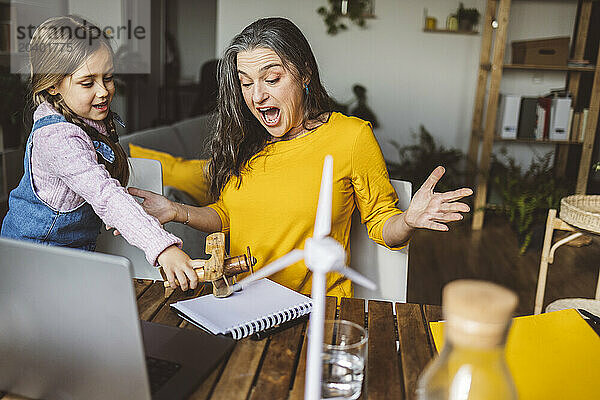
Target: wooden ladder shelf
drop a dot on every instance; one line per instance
(483, 136)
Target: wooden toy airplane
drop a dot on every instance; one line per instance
(218, 269)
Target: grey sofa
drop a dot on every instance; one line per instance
(188, 139)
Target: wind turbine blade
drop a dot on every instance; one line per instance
(323, 219)
(356, 277)
(279, 264)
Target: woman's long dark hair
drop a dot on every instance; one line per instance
(239, 135)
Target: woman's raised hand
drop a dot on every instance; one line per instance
(156, 205)
(433, 210)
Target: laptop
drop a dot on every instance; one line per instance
(69, 329)
(143, 174)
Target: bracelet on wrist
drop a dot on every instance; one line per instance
(187, 213)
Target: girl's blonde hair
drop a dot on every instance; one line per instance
(59, 46)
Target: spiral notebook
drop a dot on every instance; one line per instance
(262, 305)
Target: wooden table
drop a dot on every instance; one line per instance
(274, 367)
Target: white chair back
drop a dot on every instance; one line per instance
(144, 174)
(387, 268)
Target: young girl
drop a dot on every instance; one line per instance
(75, 170)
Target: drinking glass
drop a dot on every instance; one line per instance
(344, 359)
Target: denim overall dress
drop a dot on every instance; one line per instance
(31, 218)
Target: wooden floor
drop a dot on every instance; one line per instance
(437, 258)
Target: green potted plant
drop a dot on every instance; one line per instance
(527, 195)
(467, 17)
(356, 12)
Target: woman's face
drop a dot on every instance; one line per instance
(271, 92)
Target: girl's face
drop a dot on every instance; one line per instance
(89, 90)
(271, 92)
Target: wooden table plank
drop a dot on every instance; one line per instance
(204, 391)
(297, 392)
(151, 301)
(279, 364)
(414, 345)
(431, 313)
(353, 310)
(240, 370)
(384, 380)
(140, 286)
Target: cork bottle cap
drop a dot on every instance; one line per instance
(477, 312)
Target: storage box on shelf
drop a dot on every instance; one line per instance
(551, 51)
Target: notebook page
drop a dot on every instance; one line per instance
(254, 302)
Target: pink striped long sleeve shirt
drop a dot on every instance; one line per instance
(66, 172)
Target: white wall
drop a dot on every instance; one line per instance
(412, 77)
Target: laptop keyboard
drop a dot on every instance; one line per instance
(159, 372)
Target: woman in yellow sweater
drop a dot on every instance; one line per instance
(274, 128)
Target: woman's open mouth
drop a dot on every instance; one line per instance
(270, 115)
(101, 106)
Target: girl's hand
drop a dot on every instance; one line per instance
(432, 210)
(115, 232)
(156, 205)
(178, 268)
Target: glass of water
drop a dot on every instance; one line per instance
(344, 359)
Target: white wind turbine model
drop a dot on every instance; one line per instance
(321, 254)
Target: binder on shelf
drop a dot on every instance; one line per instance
(559, 118)
(569, 132)
(508, 116)
(575, 126)
(584, 118)
(540, 118)
(527, 118)
(543, 118)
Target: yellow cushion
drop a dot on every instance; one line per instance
(186, 175)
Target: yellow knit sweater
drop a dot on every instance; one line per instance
(273, 210)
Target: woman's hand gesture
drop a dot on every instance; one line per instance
(156, 205)
(432, 210)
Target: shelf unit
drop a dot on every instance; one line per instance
(450, 31)
(549, 67)
(537, 141)
(483, 132)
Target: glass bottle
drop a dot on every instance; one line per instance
(472, 364)
(452, 23)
